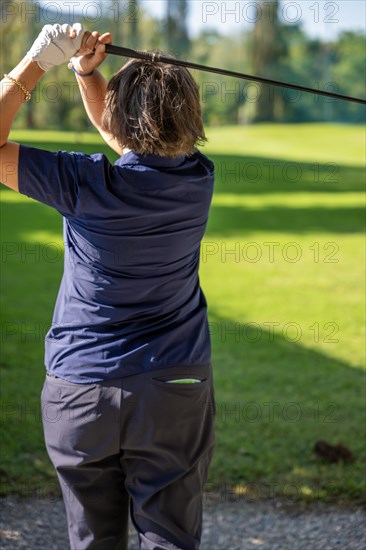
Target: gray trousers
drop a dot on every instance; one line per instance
(134, 445)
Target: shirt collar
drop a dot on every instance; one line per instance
(149, 160)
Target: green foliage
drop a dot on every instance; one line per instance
(221, 98)
(348, 71)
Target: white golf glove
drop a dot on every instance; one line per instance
(53, 46)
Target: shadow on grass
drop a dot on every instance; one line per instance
(238, 220)
(274, 400)
(250, 176)
(261, 175)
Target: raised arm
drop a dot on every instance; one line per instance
(92, 84)
(14, 91)
(54, 45)
(15, 88)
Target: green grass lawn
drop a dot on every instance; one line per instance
(282, 267)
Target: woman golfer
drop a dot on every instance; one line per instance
(128, 404)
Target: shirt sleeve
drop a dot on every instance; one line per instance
(50, 178)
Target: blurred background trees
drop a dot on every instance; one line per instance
(269, 48)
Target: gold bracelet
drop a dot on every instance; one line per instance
(27, 94)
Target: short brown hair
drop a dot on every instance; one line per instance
(154, 108)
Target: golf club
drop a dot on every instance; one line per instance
(157, 57)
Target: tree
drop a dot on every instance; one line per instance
(178, 41)
(304, 64)
(267, 48)
(133, 20)
(222, 98)
(348, 75)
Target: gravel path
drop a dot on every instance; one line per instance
(35, 524)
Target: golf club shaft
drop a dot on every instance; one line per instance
(137, 54)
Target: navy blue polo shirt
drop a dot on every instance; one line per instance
(130, 299)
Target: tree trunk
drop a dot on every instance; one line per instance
(267, 49)
(133, 6)
(178, 41)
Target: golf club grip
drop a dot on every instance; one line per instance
(150, 56)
